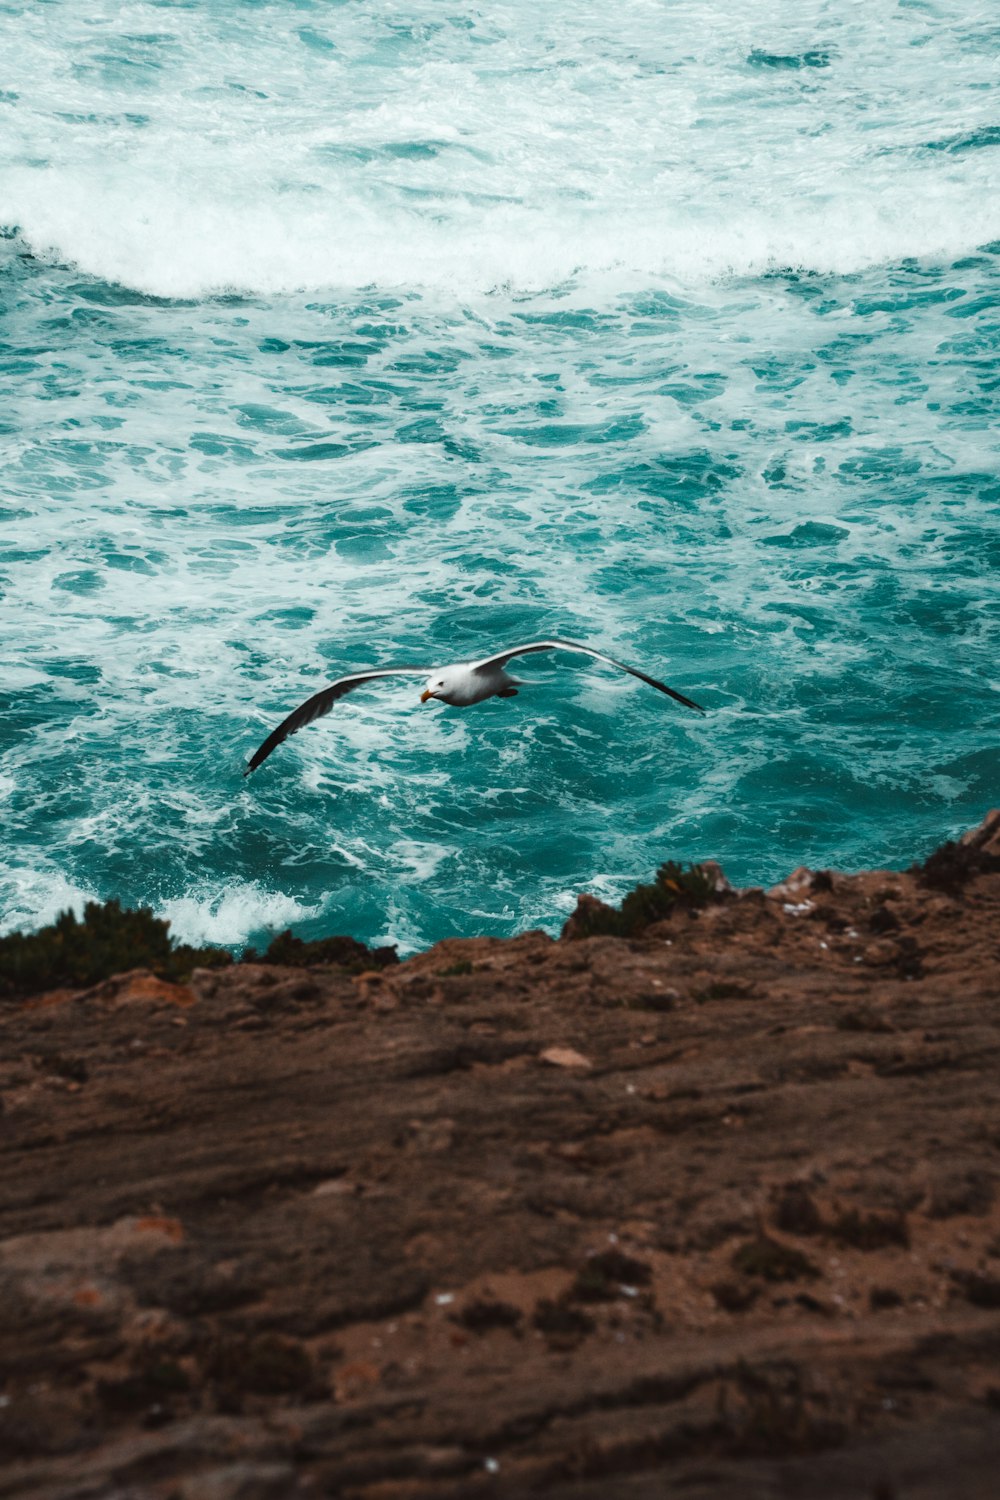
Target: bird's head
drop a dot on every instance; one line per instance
(441, 684)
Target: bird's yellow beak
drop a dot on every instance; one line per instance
(425, 695)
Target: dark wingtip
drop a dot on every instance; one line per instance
(254, 762)
(679, 697)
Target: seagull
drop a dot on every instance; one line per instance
(461, 684)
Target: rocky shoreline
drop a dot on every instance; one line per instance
(704, 1201)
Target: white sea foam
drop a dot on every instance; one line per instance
(161, 242)
(609, 150)
(420, 861)
(226, 917)
(32, 897)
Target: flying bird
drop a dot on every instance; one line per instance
(462, 684)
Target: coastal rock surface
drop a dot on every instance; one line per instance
(713, 1210)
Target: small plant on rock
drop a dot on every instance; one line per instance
(674, 888)
(298, 953)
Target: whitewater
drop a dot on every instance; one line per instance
(339, 334)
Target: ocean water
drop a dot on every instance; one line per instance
(337, 334)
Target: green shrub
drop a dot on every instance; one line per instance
(346, 952)
(771, 1261)
(673, 887)
(74, 954)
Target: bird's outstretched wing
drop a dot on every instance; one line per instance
(555, 644)
(320, 704)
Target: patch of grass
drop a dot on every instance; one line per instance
(813, 1304)
(345, 952)
(151, 1386)
(980, 1290)
(869, 1231)
(456, 970)
(795, 1211)
(882, 1297)
(909, 963)
(73, 1069)
(602, 1276)
(267, 1365)
(658, 1001)
(735, 1296)
(483, 1314)
(777, 1417)
(862, 1018)
(560, 1321)
(75, 954)
(970, 1192)
(726, 989)
(768, 1260)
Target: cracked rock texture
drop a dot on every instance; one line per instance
(711, 1211)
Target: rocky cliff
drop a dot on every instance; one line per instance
(709, 1208)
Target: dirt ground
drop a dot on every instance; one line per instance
(712, 1212)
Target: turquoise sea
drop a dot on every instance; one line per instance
(337, 334)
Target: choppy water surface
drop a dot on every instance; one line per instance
(336, 334)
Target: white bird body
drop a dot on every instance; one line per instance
(460, 685)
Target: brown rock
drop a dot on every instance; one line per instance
(138, 987)
(590, 915)
(564, 1057)
(357, 1236)
(987, 836)
(246, 1481)
(876, 955)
